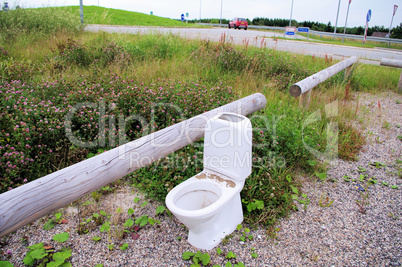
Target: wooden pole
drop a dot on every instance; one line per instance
(391, 63)
(396, 64)
(31, 201)
(307, 84)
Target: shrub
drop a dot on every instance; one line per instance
(100, 53)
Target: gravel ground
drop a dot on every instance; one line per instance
(338, 235)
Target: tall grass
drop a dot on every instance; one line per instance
(26, 25)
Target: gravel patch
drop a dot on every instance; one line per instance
(338, 235)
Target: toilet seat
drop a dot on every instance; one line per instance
(207, 180)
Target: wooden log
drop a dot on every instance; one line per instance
(31, 201)
(396, 64)
(391, 63)
(307, 84)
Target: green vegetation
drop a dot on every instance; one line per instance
(45, 255)
(109, 16)
(164, 79)
(137, 84)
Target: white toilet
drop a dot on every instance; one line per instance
(209, 203)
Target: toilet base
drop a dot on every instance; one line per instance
(209, 234)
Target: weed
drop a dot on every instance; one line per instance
(197, 258)
(62, 237)
(378, 165)
(321, 175)
(226, 239)
(350, 141)
(96, 195)
(325, 201)
(52, 222)
(160, 210)
(124, 246)
(253, 253)
(386, 125)
(363, 201)
(145, 219)
(244, 233)
(361, 169)
(272, 232)
(305, 201)
(96, 238)
(230, 255)
(41, 255)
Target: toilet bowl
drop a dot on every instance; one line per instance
(209, 203)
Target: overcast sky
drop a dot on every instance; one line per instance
(310, 10)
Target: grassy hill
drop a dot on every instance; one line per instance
(110, 16)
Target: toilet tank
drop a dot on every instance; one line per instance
(227, 145)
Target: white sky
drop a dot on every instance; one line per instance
(310, 10)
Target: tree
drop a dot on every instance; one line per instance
(397, 32)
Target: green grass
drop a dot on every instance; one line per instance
(110, 16)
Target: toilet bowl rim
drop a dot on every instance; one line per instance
(227, 194)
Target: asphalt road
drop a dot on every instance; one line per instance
(259, 38)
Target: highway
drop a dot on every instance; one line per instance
(265, 39)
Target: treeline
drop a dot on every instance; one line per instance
(316, 26)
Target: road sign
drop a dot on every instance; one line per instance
(5, 7)
(182, 17)
(187, 15)
(303, 29)
(368, 15)
(290, 30)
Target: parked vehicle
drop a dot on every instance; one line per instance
(238, 23)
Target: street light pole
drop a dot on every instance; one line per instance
(81, 12)
(220, 21)
(291, 11)
(346, 21)
(200, 11)
(337, 15)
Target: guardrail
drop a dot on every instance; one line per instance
(304, 86)
(33, 200)
(327, 34)
(396, 64)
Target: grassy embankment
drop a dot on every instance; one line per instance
(48, 65)
(110, 16)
